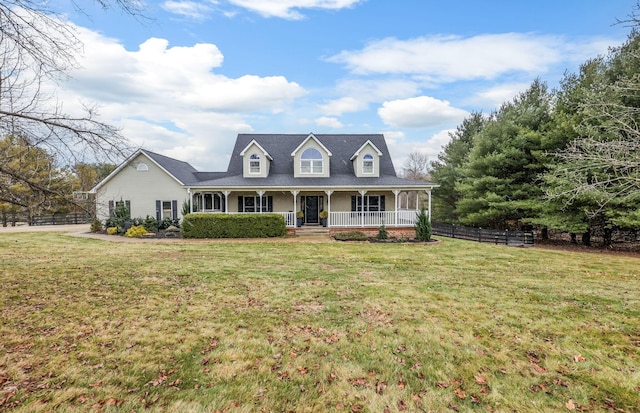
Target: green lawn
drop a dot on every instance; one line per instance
(89, 325)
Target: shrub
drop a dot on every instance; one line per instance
(96, 226)
(121, 214)
(136, 231)
(167, 222)
(233, 226)
(112, 230)
(150, 224)
(350, 236)
(382, 233)
(423, 226)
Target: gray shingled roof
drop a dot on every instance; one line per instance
(182, 171)
(341, 146)
(281, 173)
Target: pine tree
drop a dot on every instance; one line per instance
(423, 226)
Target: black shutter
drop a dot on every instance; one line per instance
(240, 204)
(353, 203)
(382, 203)
(223, 203)
(158, 210)
(111, 208)
(269, 204)
(174, 207)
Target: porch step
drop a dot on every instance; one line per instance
(312, 232)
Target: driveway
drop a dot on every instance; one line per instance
(46, 228)
(83, 231)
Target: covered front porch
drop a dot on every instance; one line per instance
(331, 208)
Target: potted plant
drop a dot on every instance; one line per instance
(323, 217)
(300, 218)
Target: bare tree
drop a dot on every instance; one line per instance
(416, 165)
(38, 48)
(601, 170)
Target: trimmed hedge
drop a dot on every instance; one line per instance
(233, 226)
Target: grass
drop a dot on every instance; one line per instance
(308, 327)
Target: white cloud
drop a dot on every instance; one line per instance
(358, 94)
(401, 149)
(499, 94)
(450, 58)
(194, 10)
(420, 112)
(328, 122)
(343, 105)
(170, 100)
(288, 9)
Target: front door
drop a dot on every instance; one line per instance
(311, 209)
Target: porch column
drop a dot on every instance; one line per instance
(396, 193)
(328, 192)
(190, 195)
(226, 201)
(429, 193)
(417, 201)
(295, 200)
(260, 194)
(362, 193)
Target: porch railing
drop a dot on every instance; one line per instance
(403, 218)
(372, 219)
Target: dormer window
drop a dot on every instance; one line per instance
(367, 164)
(254, 164)
(311, 162)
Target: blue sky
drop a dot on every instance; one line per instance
(189, 77)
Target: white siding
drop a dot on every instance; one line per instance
(141, 188)
(311, 143)
(357, 162)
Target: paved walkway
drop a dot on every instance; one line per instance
(47, 228)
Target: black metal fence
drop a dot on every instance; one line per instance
(60, 219)
(524, 238)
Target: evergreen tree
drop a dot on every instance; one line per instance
(500, 188)
(447, 170)
(596, 177)
(423, 226)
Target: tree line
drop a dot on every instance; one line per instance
(566, 159)
(46, 153)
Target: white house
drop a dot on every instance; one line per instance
(351, 177)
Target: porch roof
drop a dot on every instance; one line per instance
(343, 181)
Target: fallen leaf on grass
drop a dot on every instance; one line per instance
(460, 393)
(358, 382)
(538, 368)
(480, 379)
(114, 402)
(331, 377)
(570, 405)
(380, 386)
(579, 359)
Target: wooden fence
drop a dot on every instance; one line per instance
(60, 219)
(524, 238)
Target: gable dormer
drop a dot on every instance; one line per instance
(311, 159)
(366, 161)
(255, 161)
